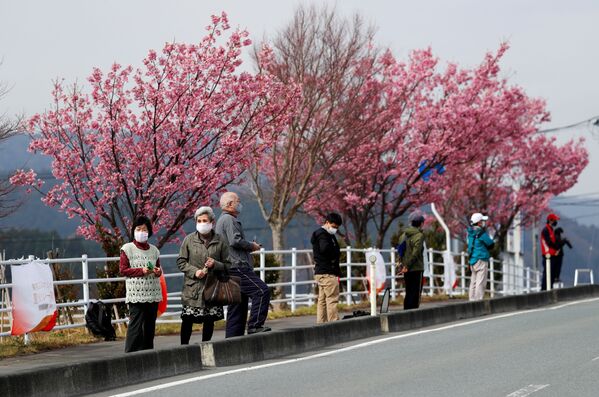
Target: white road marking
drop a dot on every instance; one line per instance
(595, 359)
(526, 391)
(345, 349)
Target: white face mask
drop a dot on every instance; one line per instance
(331, 230)
(204, 228)
(140, 237)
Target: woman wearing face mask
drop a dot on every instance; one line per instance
(201, 253)
(141, 265)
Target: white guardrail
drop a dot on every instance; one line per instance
(505, 278)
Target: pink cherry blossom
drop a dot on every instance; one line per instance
(159, 140)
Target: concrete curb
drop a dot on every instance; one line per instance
(102, 374)
(414, 319)
(268, 345)
(126, 369)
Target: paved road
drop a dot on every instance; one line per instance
(545, 352)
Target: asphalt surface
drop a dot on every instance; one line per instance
(551, 351)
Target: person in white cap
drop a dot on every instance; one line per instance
(479, 244)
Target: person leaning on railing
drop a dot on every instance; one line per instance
(141, 266)
(201, 253)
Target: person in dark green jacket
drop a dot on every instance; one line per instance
(410, 249)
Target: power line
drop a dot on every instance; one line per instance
(594, 214)
(594, 120)
(573, 196)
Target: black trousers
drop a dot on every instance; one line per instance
(186, 329)
(413, 280)
(556, 268)
(559, 260)
(142, 326)
(252, 289)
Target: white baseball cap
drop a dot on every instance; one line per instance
(477, 217)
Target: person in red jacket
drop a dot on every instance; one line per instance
(549, 245)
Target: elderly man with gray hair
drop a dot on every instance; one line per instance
(252, 287)
(201, 253)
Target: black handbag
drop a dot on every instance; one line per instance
(222, 289)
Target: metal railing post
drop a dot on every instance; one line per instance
(262, 264)
(548, 271)
(431, 267)
(528, 280)
(575, 277)
(85, 285)
(393, 275)
(463, 271)
(592, 279)
(348, 281)
(293, 278)
(492, 276)
(26, 335)
(372, 260)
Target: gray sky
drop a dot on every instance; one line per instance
(554, 44)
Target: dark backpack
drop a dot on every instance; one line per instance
(98, 320)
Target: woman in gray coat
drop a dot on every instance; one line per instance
(201, 253)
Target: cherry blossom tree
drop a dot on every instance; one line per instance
(444, 120)
(159, 140)
(513, 184)
(336, 67)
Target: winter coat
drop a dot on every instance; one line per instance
(326, 252)
(192, 256)
(412, 256)
(479, 244)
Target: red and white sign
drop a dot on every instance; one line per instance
(33, 300)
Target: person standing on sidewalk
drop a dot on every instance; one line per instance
(561, 242)
(252, 287)
(479, 244)
(141, 266)
(325, 249)
(203, 252)
(411, 252)
(549, 246)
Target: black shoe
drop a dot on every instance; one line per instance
(259, 329)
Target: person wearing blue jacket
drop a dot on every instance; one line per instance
(479, 244)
